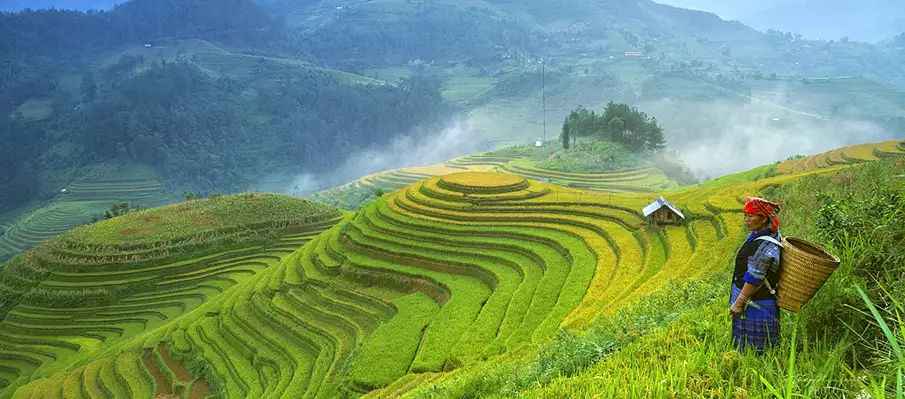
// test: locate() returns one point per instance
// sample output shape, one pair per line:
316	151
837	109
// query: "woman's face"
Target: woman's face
755	222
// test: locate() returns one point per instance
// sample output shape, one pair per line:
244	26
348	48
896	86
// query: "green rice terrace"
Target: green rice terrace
96	291
82	201
265	295
586	169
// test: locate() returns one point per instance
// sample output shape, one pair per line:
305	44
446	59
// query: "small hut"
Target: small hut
662	211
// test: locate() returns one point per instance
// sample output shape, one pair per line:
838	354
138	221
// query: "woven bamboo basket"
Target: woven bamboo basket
804	269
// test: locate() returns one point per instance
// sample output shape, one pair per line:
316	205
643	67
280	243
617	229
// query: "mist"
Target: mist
416	148
725	141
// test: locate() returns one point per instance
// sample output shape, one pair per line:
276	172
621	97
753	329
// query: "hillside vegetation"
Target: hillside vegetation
98	288
91	88
595	165
259	295
85	200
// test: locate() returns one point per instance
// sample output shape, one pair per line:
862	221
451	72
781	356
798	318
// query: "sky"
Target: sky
861	20
16	5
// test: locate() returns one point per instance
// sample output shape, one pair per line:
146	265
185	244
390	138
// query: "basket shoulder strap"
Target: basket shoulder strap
774	241
770	239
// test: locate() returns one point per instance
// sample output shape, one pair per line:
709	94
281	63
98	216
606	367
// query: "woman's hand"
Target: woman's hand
738	307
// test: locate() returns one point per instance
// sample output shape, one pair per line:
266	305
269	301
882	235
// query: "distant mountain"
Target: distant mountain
867	20
862	20
18	5
729	10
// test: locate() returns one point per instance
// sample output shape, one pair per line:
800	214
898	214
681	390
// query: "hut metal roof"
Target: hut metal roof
659	203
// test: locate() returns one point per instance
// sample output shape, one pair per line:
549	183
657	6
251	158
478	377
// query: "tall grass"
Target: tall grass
888	381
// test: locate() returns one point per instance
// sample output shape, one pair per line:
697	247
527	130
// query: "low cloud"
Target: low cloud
416	148
716	140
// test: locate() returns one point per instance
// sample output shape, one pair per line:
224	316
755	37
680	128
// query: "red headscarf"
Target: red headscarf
760	206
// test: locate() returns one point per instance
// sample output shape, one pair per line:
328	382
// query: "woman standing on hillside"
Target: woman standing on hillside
755	316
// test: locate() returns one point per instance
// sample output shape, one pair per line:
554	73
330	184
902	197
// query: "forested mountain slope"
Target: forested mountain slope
204	116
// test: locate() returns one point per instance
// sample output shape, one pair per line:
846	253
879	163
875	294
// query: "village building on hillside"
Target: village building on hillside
661	212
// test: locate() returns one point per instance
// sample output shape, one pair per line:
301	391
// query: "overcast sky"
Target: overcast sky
863	20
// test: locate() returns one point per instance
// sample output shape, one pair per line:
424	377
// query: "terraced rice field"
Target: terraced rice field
445	272
352	195
144	192
85	200
636	180
511	260
80	326
844	156
393	179
41	224
472	162
641	180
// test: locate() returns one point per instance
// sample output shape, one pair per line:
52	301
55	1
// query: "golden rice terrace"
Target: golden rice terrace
263	296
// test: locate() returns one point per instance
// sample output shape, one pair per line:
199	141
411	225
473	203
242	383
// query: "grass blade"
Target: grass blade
790	378
886	331
770	387
899	394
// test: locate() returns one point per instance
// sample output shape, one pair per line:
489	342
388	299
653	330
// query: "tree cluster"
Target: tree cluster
618	123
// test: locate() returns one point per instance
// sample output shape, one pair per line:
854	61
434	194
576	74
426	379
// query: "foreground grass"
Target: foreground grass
672	344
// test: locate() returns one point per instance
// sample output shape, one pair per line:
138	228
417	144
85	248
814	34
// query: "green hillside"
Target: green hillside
89	192
97	290
431	291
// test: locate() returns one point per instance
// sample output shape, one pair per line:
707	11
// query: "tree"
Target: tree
632	128
116	210
616	127
654	140
565	134
583	123
189	195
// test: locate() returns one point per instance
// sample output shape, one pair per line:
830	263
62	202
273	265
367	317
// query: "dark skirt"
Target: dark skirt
758	329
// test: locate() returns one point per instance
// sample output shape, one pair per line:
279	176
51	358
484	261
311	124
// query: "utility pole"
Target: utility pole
543	75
